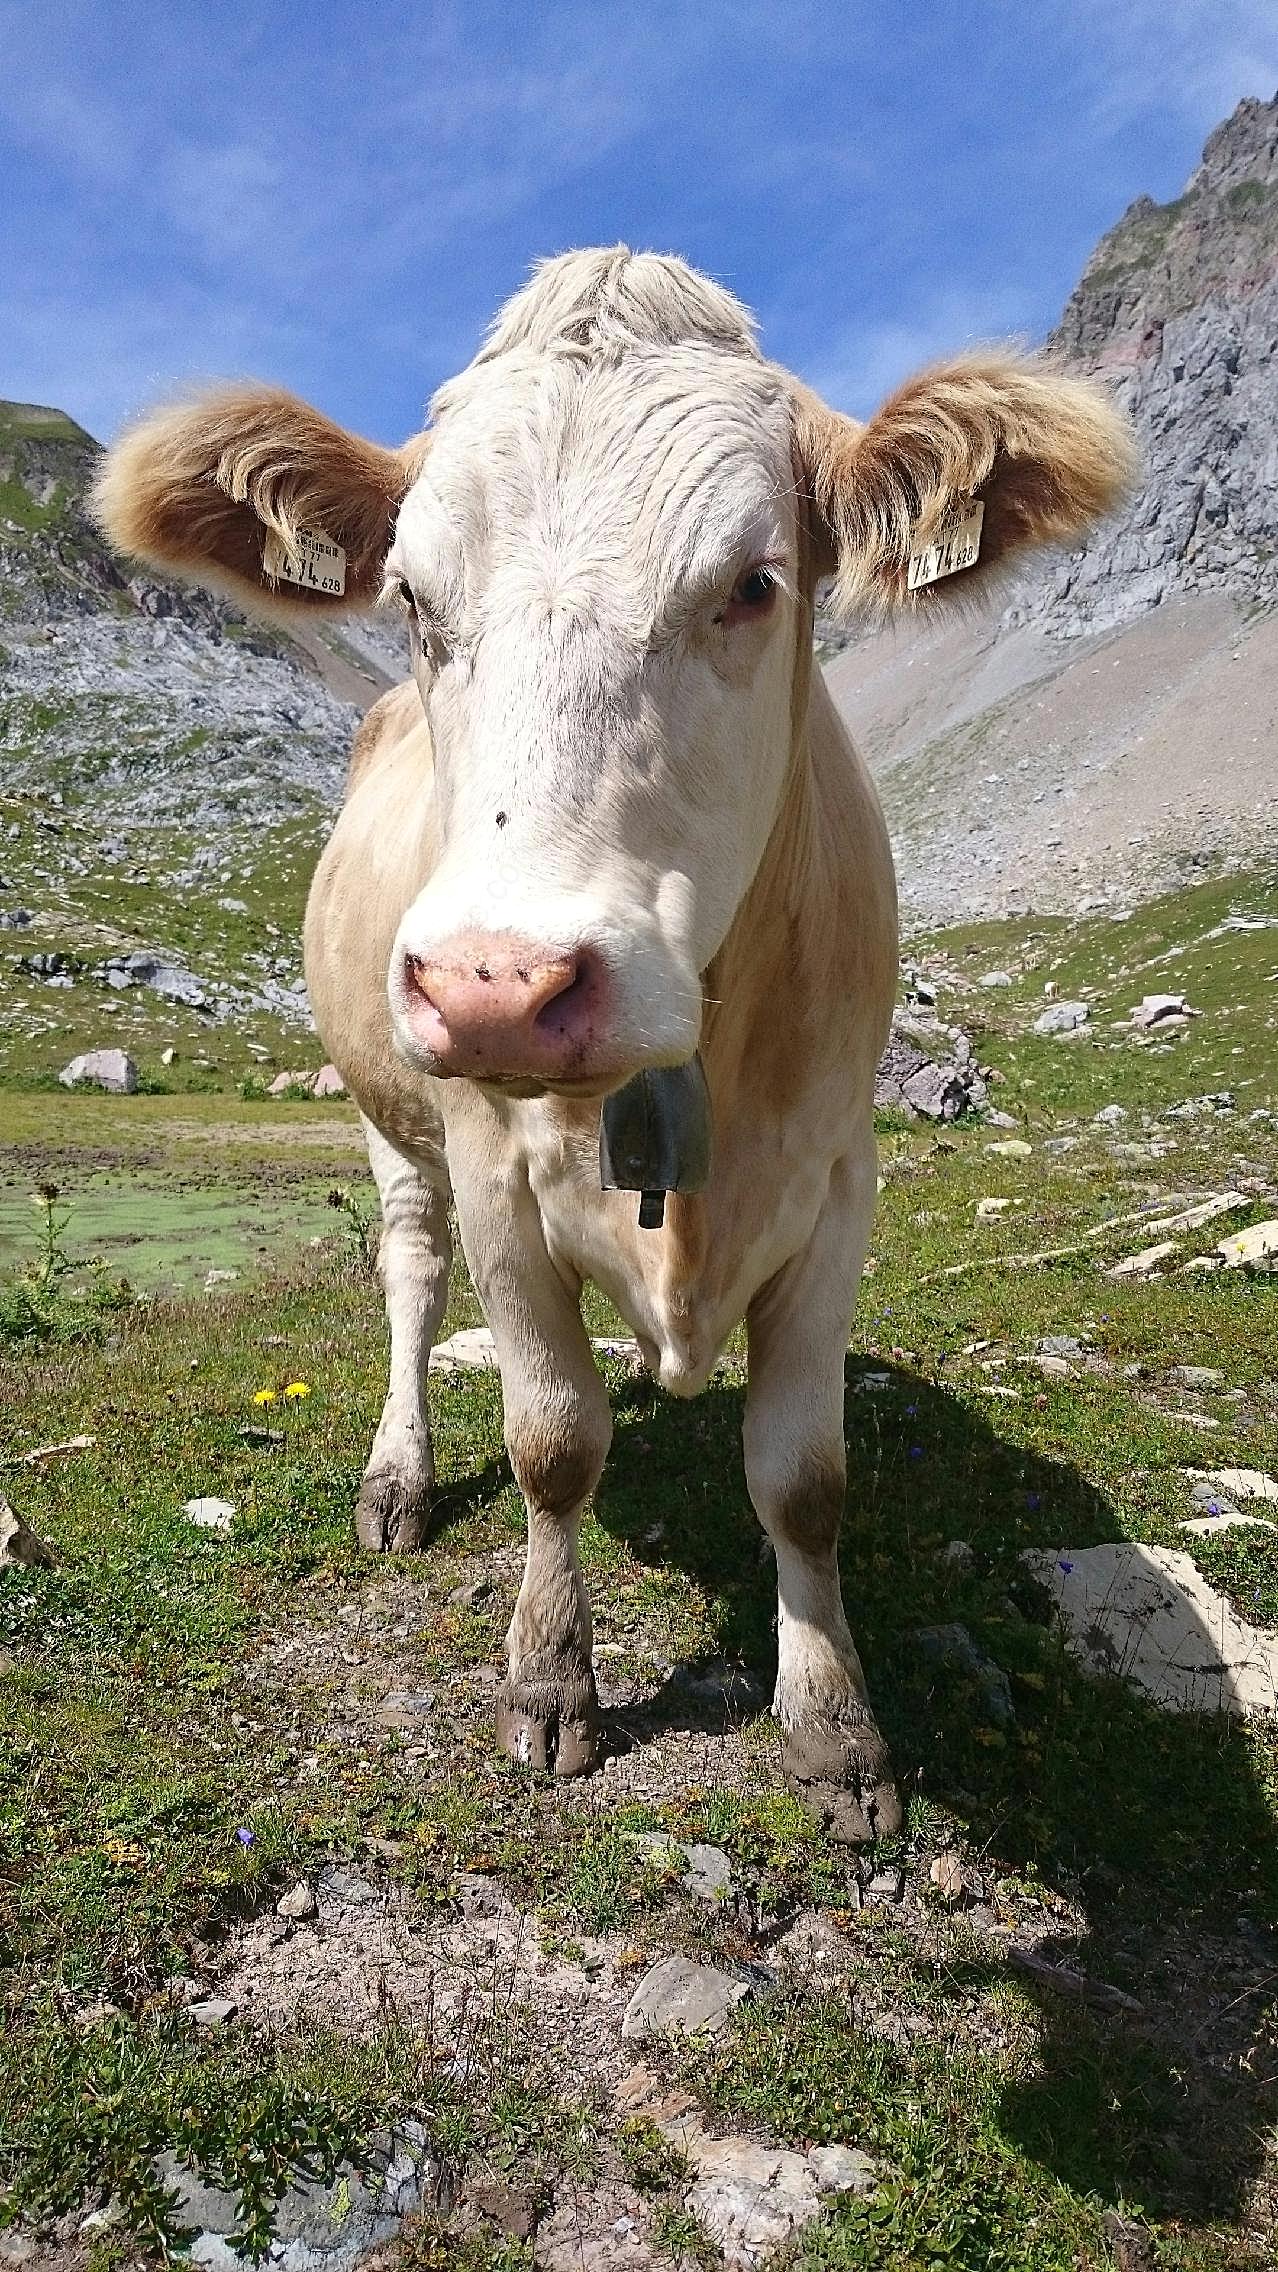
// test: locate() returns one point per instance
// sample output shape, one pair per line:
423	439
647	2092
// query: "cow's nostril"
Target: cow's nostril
569	998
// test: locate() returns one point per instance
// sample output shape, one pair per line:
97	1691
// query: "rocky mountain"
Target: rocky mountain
1117	721
168	770
1178	308
118	679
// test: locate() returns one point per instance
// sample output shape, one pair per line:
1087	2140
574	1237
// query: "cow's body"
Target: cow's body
615	820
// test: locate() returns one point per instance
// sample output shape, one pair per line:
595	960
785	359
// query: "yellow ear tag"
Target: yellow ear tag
960	547
317	564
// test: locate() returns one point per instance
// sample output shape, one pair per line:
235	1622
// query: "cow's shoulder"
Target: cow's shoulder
382	729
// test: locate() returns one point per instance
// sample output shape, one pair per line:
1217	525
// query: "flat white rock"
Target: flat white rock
472	1350
1147	1614
1211	1526
1203	1211
680	1996
1236	1482
209	1514
752	2198
1256	1249
1144	1264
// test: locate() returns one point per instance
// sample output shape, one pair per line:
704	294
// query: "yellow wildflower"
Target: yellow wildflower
297	1388
264	1396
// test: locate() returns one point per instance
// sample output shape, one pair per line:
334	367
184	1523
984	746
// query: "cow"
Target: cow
613	825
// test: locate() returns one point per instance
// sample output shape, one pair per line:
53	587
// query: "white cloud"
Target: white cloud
1195	57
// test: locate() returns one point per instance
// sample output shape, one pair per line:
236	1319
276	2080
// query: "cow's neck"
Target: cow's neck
760	997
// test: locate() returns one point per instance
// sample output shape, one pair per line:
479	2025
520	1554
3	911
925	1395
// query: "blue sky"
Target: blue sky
338	196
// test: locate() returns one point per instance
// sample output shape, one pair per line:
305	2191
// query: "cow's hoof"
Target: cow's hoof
392	1515
843	1771
561	1736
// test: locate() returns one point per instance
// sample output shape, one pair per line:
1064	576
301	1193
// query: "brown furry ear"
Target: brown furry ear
1045	455
201	487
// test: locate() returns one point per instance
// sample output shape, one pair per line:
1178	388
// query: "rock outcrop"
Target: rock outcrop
1178	307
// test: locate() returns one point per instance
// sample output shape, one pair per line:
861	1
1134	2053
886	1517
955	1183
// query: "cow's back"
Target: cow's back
374	864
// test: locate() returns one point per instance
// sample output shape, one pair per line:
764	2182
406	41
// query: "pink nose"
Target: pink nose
500	1008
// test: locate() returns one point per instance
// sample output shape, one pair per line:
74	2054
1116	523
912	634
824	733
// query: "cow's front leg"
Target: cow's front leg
796	1471
558	1429
557	1432
413	1258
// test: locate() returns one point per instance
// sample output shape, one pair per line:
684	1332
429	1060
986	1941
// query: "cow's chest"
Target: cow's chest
682	1289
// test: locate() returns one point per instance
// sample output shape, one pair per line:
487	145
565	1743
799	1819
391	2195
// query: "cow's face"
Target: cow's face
600	570
598	548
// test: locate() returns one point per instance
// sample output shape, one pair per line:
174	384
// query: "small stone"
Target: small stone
1109	1116
946	1874
109	1069
299	1901
1197	1376
472	1593
958	1555
168	1057
886	1885
213	2011
1154	1009
210	1514
328	1082
1011	1148
996	978
708	1874
1055	1368
682	1997
20	1547
1062	1017
1061	1345
470	1350
406	1708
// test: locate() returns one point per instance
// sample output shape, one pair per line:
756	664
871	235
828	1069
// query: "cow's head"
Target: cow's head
606	547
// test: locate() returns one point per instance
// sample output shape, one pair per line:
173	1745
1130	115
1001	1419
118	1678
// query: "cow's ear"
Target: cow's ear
985	455
253	492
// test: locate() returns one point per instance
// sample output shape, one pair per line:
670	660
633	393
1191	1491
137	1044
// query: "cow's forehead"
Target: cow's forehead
662	453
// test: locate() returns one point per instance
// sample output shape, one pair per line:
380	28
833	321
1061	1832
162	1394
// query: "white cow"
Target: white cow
612	822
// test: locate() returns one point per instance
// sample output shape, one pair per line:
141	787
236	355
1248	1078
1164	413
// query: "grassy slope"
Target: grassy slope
135	1745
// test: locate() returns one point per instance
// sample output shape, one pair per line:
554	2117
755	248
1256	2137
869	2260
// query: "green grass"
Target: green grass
143	1728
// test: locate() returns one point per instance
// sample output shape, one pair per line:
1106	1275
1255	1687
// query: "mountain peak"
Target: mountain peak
37	422
1243	148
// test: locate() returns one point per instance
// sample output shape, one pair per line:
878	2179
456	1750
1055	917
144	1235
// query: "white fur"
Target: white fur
577	527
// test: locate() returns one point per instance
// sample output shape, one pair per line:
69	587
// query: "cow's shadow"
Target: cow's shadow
1154	1823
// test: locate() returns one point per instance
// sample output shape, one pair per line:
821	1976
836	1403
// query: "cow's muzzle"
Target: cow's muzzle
496	1008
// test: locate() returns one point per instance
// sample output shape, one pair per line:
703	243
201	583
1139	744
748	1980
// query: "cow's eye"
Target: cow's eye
403	592
752	596
754	589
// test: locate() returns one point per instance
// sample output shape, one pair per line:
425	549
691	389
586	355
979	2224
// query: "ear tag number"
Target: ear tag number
959	547
317	564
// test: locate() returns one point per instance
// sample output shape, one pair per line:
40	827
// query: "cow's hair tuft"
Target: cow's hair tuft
606	300
1046	454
